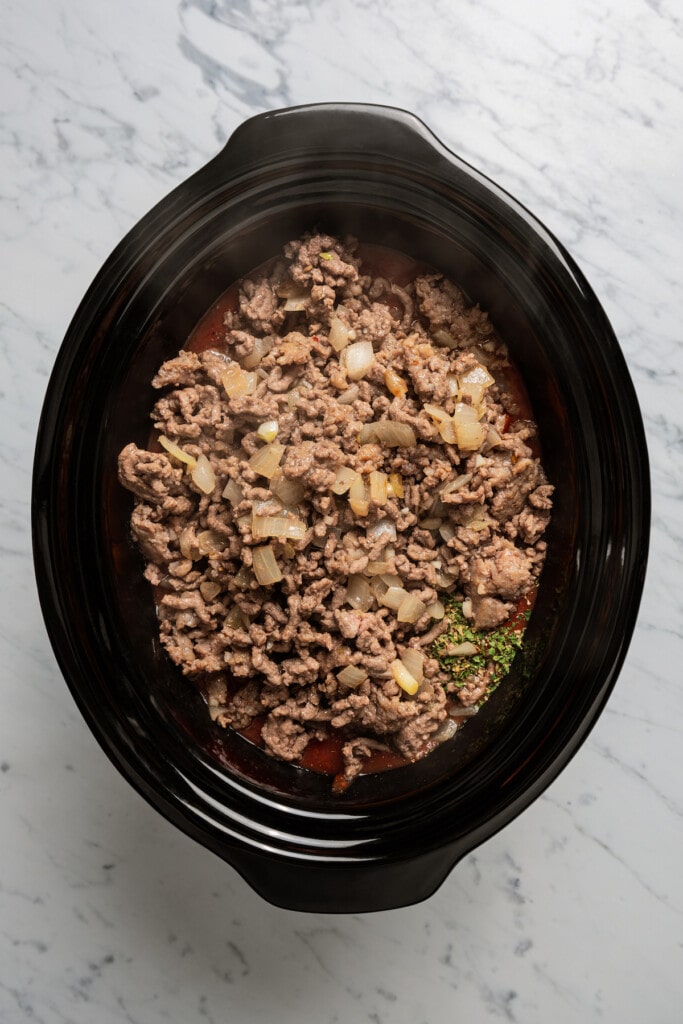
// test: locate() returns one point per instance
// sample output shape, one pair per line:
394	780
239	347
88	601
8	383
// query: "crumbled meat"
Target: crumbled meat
414	736
529	526
260	305
499	568
489	612
314	462
149	475
155	539
355	751
285	737
322	259
179	371
271	655
473	689
242	708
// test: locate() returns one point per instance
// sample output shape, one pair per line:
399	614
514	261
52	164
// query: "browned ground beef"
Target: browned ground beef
469	521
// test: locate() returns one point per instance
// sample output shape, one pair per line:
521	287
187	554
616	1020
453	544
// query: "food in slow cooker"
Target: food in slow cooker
342	509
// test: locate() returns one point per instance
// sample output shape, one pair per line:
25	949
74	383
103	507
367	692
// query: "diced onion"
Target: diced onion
470	436
395	383
339	334
290	492
377	568
352	676
395	485
411	609
359	358
444	580
493	438
358	497
296	295
474	382
464	650
467	608
389	433
288	550
383	530
267	459
403	677
433	523
345	477
443	422
465	413
394	598
414	662
446	731
282	527
209	589
444	339
358	594
188	544
173	449
353	551
235	618
453	385
349	396
266	569
243	578
475	392
476	375
457	712
203	475
447	431
237	383
378	488
268	430
378	587
289	289
436	412
478	519
456	484
392	580
209	541
262	347
436	610
297	304
233	492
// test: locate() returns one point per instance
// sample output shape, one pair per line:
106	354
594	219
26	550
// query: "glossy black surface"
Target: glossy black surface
392	838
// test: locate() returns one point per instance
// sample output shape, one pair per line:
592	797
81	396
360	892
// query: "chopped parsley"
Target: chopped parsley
496	649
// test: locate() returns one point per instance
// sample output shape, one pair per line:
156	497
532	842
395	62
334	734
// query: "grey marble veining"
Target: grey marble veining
573	912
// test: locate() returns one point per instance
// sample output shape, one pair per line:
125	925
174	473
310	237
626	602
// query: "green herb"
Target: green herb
326	256
496	649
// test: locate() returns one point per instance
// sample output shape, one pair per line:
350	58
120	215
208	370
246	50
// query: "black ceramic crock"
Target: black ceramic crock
393	837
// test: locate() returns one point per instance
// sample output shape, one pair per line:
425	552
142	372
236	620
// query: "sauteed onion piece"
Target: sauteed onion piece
266	569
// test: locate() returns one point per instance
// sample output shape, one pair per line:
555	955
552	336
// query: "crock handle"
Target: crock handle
320	887
334	129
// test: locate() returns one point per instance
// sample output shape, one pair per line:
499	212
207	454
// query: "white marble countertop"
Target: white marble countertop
575	911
